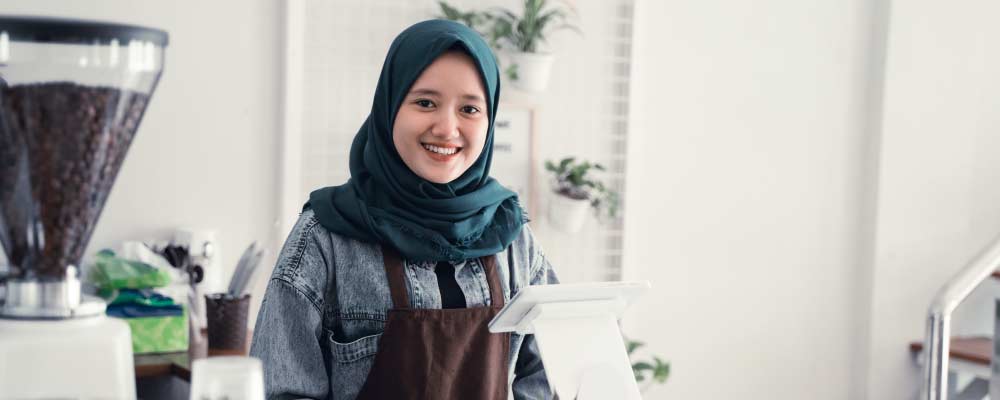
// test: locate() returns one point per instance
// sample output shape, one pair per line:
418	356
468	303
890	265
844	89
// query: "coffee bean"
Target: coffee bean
61	146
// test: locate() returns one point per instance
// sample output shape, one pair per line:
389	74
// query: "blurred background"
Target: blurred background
797	179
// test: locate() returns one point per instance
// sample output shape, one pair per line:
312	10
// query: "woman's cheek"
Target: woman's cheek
405	122
481	140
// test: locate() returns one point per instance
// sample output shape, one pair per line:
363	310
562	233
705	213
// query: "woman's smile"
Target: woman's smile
441	152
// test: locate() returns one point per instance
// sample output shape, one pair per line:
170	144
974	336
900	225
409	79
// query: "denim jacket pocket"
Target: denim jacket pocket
356	350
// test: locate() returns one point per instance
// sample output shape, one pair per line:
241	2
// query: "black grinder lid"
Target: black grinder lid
75	31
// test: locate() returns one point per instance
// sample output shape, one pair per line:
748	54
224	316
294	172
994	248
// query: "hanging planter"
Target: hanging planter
519	37
568	214
574	191
529	71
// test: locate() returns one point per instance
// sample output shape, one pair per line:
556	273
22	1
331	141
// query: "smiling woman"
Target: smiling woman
347	313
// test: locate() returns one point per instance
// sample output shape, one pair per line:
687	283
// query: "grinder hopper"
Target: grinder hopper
72	94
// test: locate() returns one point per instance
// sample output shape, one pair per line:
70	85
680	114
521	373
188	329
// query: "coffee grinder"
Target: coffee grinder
72	94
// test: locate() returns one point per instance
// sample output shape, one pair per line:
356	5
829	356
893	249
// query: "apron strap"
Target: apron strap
397	277
493	278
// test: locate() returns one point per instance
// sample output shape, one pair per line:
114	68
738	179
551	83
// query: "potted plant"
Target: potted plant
520	38
647	372
575	191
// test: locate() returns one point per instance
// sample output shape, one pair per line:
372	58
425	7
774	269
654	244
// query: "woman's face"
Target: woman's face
440	129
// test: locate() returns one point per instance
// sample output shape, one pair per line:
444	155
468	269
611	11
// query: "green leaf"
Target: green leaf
550	166
512	72
511	17
642	366
661	372
633	345
565	162
449	12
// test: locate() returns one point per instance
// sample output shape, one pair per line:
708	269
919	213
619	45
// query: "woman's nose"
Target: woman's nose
446	125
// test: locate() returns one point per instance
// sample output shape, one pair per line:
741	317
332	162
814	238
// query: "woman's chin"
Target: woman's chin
440	181
439	177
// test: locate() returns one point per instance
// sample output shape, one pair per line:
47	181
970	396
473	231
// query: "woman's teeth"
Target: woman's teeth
441	150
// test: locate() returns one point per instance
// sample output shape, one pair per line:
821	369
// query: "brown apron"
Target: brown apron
438	354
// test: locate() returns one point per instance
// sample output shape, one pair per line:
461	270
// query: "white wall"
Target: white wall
939	198
206	153
747	194
794	233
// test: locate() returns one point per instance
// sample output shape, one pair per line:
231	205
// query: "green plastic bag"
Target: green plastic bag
159	334
112	273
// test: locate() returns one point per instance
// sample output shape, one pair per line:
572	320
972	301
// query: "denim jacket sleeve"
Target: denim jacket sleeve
289	329
530	382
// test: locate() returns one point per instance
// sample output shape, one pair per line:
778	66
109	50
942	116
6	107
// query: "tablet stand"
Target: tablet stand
582	349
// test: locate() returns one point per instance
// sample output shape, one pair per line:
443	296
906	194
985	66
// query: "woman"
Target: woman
385	286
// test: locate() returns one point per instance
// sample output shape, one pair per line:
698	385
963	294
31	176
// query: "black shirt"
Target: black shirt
451	293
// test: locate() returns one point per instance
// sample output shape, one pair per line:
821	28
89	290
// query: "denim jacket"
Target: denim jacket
326	302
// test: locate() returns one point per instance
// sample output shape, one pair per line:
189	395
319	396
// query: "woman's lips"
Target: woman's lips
441	152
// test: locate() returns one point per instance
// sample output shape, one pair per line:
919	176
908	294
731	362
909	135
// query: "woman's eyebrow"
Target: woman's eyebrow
432	92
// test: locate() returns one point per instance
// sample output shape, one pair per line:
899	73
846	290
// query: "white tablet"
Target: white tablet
526	299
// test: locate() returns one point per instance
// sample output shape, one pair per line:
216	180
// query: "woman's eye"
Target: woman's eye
470	109
424	103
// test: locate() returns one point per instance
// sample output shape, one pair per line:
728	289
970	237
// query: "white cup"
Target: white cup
229	378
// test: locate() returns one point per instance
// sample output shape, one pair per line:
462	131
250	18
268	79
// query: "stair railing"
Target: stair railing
937	341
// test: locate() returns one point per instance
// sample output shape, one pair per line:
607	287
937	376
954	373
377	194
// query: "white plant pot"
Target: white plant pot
566	214
532	70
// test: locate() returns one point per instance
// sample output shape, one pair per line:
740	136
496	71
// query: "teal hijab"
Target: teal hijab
385	202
